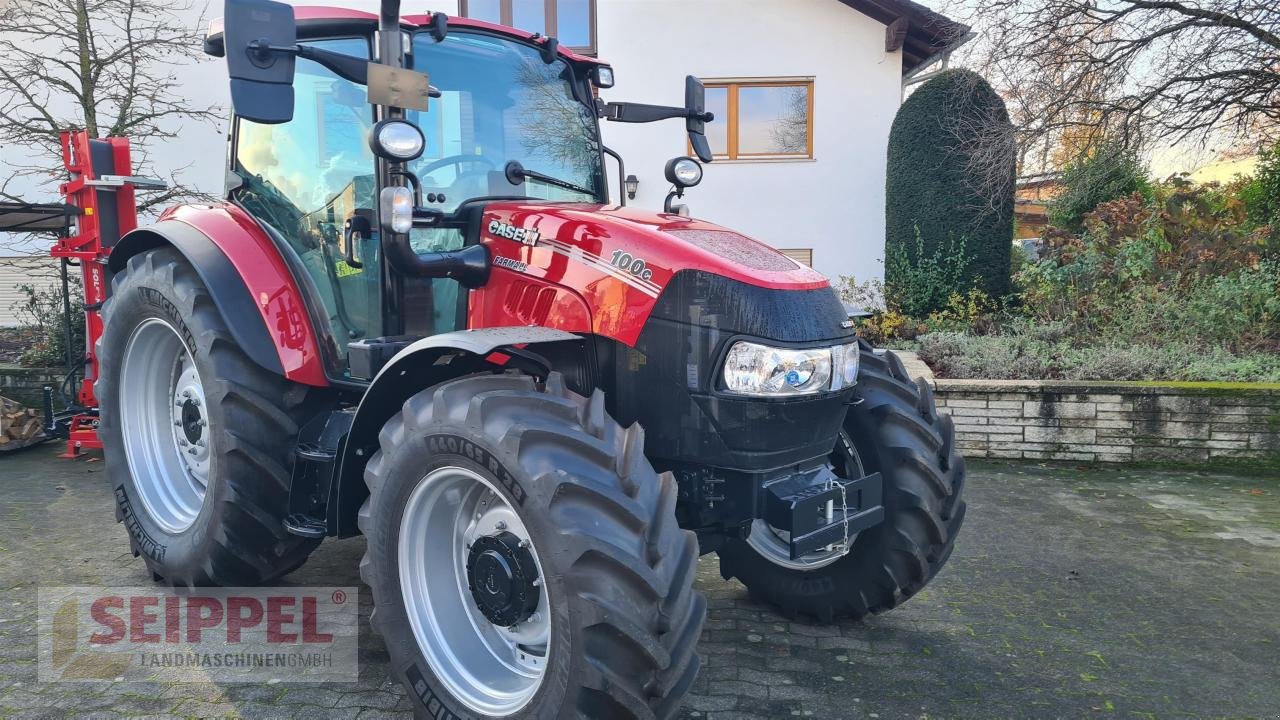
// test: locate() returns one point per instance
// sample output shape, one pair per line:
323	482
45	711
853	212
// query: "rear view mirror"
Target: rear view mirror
695	103
259	41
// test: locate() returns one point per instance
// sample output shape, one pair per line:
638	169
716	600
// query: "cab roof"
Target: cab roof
311	16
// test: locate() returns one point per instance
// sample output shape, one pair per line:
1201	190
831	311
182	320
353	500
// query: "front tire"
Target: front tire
609	628
198	439
897	432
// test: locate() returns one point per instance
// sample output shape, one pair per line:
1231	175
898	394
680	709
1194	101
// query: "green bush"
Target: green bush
1032	351
1109	173
950	183
1261	197
41	313
924	276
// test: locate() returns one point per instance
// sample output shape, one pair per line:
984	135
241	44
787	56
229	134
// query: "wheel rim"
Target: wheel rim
493	670
775	545
163	421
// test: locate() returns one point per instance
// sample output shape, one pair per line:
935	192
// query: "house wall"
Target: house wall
18	271
833	204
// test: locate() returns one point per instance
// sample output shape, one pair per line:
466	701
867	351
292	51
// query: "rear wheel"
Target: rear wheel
525	559
198	439
897	432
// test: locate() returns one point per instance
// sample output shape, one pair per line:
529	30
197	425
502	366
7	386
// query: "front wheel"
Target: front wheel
198	439
897	432
524	557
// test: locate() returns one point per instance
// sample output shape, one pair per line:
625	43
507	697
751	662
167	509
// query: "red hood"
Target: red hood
604	266
667	242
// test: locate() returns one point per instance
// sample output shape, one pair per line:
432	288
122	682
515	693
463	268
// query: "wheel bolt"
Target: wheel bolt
502	525
192	451
524	543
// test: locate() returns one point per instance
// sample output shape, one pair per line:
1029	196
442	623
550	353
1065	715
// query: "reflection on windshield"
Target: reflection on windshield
500	102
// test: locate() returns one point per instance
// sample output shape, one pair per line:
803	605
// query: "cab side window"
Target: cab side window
306	176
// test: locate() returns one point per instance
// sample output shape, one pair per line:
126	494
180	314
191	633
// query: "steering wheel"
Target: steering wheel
452	160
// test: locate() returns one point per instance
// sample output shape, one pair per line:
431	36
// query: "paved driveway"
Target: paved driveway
1074	593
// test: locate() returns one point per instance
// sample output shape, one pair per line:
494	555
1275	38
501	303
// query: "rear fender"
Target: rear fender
427	362
260	301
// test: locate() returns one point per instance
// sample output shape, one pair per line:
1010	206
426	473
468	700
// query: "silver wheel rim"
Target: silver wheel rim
163	420
492	670
775	545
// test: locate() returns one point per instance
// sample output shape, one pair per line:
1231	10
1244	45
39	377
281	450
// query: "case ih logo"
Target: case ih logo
218	634
524	236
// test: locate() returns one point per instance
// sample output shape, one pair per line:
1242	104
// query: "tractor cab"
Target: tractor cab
376	174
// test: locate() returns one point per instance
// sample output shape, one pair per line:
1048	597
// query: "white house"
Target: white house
804	93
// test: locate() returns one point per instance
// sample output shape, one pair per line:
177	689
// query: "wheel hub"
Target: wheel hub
192	424
503	579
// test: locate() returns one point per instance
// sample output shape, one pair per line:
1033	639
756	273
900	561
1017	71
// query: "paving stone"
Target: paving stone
1060	575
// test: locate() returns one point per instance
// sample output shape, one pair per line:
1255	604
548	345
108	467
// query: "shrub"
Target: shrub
925	277
41	313
1261	197
1108	173
950	181
1035	352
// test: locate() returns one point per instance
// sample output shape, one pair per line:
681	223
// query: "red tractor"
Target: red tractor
418	317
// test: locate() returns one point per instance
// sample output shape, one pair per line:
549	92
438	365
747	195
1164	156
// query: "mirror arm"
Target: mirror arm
641	113
347	67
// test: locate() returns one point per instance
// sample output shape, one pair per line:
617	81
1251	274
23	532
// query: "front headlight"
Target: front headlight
763	371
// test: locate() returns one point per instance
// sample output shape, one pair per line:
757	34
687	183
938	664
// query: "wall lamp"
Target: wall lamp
633	186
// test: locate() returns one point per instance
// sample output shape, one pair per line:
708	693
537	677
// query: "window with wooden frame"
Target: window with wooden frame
572	22
761	119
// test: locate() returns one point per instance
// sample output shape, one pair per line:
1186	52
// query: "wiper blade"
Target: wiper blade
517	174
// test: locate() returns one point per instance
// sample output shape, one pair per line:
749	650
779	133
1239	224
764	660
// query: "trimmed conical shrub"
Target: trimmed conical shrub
950	192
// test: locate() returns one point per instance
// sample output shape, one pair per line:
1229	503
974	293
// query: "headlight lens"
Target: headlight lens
684	172
398	140
759	370
763	371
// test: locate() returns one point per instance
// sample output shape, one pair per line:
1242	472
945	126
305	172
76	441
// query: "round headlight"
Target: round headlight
397	140
684	172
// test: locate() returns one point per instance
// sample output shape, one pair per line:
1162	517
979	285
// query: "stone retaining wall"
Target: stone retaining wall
1203	424
26	385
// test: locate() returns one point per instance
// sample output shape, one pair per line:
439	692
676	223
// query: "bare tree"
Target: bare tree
106	66
1074	71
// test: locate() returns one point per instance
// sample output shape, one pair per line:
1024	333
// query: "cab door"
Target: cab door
304	178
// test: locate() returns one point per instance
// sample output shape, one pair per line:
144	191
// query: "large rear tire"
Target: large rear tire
588	610
897	432
198	439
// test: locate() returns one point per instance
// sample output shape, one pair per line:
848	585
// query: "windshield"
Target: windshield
500	102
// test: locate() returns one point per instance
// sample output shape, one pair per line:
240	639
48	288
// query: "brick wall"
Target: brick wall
1114	422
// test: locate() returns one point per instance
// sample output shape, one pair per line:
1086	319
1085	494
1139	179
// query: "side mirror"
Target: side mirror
259	42
695	103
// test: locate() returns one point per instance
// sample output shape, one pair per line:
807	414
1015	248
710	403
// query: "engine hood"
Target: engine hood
617	261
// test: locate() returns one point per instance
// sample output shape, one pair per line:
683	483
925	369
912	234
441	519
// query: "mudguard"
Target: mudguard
249	281
427	362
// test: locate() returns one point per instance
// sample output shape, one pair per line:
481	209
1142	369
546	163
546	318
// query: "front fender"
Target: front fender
425	363
248	279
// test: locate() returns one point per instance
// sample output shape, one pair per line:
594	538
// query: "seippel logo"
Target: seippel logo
232	634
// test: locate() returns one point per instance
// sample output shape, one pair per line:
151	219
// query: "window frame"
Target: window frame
551	7
733	86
